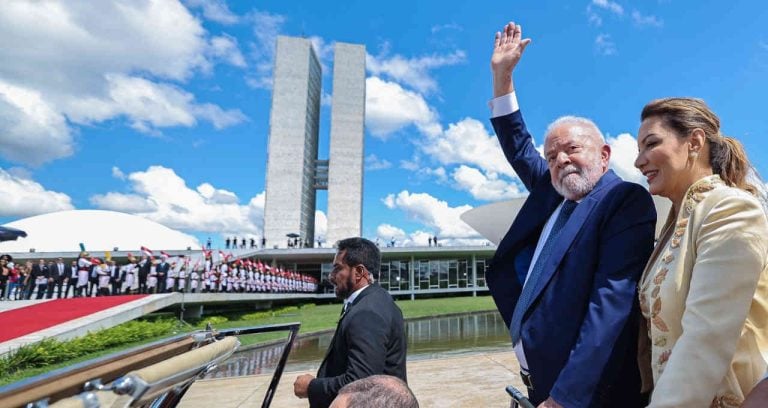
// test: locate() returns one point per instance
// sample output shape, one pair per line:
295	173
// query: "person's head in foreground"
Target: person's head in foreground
376	391
576	154
356	260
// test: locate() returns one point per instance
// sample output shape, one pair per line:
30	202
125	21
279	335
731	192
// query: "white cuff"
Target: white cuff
503	105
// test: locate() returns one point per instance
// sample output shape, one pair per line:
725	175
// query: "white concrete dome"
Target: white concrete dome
98	230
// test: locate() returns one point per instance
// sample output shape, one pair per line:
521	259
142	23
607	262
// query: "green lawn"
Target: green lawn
313	319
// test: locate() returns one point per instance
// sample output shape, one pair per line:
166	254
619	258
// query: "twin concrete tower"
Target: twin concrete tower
294	171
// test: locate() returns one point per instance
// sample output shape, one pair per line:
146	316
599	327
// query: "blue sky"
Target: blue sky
161	108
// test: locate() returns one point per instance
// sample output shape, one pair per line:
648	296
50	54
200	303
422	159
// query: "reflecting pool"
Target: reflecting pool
427	338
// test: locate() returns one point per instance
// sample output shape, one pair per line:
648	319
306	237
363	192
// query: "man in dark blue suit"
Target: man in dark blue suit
564	276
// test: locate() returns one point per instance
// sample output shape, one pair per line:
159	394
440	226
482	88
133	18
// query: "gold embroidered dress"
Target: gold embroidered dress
704	299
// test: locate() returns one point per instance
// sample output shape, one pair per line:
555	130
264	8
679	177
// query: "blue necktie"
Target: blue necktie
526	297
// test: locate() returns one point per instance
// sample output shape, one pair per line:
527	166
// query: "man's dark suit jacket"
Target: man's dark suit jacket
162	268
65	272
37	270
580	333
369	339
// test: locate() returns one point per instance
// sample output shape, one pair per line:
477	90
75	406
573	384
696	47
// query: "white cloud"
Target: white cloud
24	197
148	105
216	196
214	10
432	213
611	6
117	173
468	142
438	173
414	72
623	155
484	186
594	18
321	225
389	108
326	99
65	62
604	45
444	27
266	27
159	194
412	165
129	203
31	130
225	48
373	163
387	231
643	20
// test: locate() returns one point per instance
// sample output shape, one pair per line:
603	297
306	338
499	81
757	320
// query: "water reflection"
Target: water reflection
427	338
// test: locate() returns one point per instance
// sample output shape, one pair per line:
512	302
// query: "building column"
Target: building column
474	275
411	278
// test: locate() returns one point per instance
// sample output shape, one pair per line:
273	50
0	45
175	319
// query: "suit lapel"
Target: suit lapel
569	233
529	221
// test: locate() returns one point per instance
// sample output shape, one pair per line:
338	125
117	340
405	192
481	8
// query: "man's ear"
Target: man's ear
605	154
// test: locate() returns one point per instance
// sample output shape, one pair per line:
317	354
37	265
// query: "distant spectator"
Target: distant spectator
226	243
40	275
5	276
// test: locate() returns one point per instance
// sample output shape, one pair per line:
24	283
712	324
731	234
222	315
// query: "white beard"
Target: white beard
577	183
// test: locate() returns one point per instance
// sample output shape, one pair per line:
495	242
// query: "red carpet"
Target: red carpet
25	320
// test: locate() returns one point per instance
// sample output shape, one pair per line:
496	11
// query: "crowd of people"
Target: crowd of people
87	276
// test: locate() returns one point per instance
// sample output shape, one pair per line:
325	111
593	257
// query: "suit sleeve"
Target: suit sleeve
366	338
625	242
517	145
731	255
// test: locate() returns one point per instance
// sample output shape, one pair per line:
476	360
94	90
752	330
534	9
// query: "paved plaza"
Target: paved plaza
476	380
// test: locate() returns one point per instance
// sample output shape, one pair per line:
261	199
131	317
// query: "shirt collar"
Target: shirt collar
353	296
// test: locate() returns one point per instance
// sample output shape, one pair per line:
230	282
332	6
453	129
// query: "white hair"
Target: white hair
574	121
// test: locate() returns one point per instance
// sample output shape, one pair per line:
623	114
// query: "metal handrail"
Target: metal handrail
518	399
90	375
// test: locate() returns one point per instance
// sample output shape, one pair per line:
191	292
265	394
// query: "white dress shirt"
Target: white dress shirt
348	301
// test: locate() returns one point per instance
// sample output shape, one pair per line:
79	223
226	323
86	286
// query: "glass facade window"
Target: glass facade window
480	266
429	274
394	276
